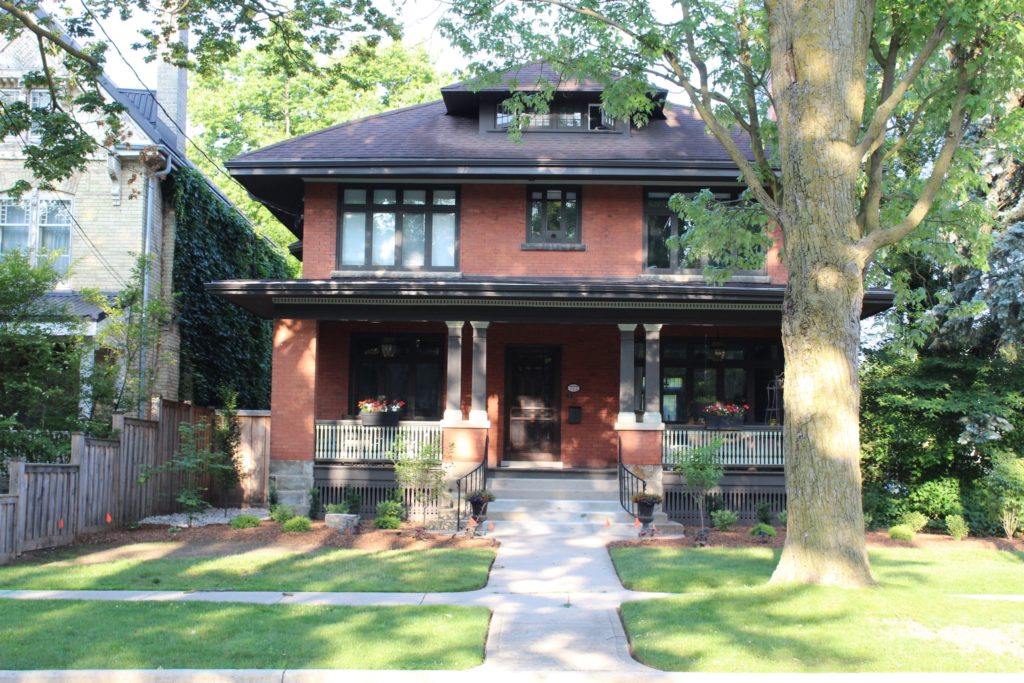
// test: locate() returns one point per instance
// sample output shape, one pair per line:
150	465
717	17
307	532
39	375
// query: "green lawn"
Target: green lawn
327	570
121	635
730	621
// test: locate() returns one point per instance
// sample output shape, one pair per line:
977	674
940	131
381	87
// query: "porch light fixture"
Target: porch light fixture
718	351
389	348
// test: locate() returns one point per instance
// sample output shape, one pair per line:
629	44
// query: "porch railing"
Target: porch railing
747	447
350	440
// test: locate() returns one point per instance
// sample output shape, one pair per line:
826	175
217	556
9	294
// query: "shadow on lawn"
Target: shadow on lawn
118	635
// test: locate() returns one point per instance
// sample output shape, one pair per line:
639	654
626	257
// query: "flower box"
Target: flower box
379	419
723	421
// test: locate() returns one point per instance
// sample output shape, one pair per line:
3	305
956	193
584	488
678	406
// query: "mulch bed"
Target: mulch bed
739	537
220	539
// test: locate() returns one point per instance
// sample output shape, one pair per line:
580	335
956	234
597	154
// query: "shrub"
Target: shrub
762	529
390	508
297	525
915	520
387	523
281	513
937	498
314	503
353	502
783	516
957	527
901	532
723	520
868	520
245	522
336	509
764	512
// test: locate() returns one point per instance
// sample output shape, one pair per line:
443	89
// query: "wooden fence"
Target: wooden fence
49	504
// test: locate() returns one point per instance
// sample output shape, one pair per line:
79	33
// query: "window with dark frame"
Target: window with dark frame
399	367
661	223
398	228
553	215
573	118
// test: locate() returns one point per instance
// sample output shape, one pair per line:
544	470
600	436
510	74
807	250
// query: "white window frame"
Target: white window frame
35	202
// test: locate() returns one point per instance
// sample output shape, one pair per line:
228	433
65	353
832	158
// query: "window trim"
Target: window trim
531	244
691	273
428	209
34	213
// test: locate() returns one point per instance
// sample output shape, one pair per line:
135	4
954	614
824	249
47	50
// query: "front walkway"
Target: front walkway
554	599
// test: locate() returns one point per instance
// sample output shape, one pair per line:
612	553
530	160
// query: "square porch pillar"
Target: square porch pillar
478	407
652	375
453	394
627	397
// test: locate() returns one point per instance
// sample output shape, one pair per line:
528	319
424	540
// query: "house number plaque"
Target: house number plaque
573	388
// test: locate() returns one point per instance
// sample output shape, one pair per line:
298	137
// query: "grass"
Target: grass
329	570
57	634
731	621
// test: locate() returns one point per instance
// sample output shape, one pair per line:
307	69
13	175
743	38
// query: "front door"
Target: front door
532	378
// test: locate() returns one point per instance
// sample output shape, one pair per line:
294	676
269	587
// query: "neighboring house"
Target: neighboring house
518	297
119	207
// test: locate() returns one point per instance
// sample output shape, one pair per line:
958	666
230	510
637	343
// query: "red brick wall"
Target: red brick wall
319	230
590	358
293	387
493	229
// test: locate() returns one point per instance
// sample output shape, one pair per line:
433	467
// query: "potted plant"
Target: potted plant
379	412
724	415
478	501
645	503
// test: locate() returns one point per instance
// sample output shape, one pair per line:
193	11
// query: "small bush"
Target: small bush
764	513
915	520
245	522
782	516
937	498
314	503
902	532
957	527
387	523
353	502
281	513
723	520
297	525
390	508
762	529
336	509
868	520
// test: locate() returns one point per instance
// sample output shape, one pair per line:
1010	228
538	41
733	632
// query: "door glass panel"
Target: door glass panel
353	239
414	239
442	247
383	239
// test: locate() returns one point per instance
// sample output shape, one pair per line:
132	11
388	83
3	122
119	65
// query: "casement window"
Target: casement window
41	225
553	215
400	367
566	118
398	228
36	98
661	223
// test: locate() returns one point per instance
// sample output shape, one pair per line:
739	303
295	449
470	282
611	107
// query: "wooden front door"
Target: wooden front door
532	378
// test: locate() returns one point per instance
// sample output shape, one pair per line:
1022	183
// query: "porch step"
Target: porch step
561	488
521	510
615	531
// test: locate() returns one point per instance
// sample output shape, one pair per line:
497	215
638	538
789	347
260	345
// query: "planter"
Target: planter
723	421
341	522
389	419
645	513
479	509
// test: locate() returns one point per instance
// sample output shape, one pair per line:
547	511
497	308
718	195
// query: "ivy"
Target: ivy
223	347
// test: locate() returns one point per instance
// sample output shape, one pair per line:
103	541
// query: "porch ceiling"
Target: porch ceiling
515	300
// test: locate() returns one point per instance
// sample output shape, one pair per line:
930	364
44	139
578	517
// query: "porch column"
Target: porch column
453	396
478	408
627	397
652	375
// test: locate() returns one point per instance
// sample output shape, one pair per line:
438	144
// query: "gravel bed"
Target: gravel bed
205	518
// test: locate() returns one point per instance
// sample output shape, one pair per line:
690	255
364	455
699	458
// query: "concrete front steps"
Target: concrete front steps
544	501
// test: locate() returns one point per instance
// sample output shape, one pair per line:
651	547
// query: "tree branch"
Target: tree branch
50	85
958	120
29	22
875	132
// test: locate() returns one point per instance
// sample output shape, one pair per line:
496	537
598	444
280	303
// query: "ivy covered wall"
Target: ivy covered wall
222	345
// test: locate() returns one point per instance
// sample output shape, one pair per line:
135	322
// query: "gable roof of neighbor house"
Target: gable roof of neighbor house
443	139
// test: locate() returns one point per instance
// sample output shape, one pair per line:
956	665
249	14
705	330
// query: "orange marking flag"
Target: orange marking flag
109	518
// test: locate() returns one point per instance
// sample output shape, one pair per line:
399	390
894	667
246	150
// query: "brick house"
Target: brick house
519	297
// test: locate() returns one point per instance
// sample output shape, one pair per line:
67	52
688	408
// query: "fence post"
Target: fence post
117	422
19	487
77	448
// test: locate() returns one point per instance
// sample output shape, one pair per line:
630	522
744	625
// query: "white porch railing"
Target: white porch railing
740	447
350	440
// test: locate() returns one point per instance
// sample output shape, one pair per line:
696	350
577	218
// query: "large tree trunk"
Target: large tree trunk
819	52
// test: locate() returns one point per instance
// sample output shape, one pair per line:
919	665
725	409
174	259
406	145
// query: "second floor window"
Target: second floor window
400	228
43	225
553	216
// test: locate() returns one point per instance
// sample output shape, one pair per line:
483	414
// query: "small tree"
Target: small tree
1004	486
423	472
227	437
701	471
197	463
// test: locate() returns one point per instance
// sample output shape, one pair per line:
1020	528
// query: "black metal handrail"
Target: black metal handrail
475	480
629	485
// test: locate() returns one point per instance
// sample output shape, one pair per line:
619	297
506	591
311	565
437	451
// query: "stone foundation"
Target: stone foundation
293	479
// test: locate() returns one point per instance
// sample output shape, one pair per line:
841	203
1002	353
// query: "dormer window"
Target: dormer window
563	118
